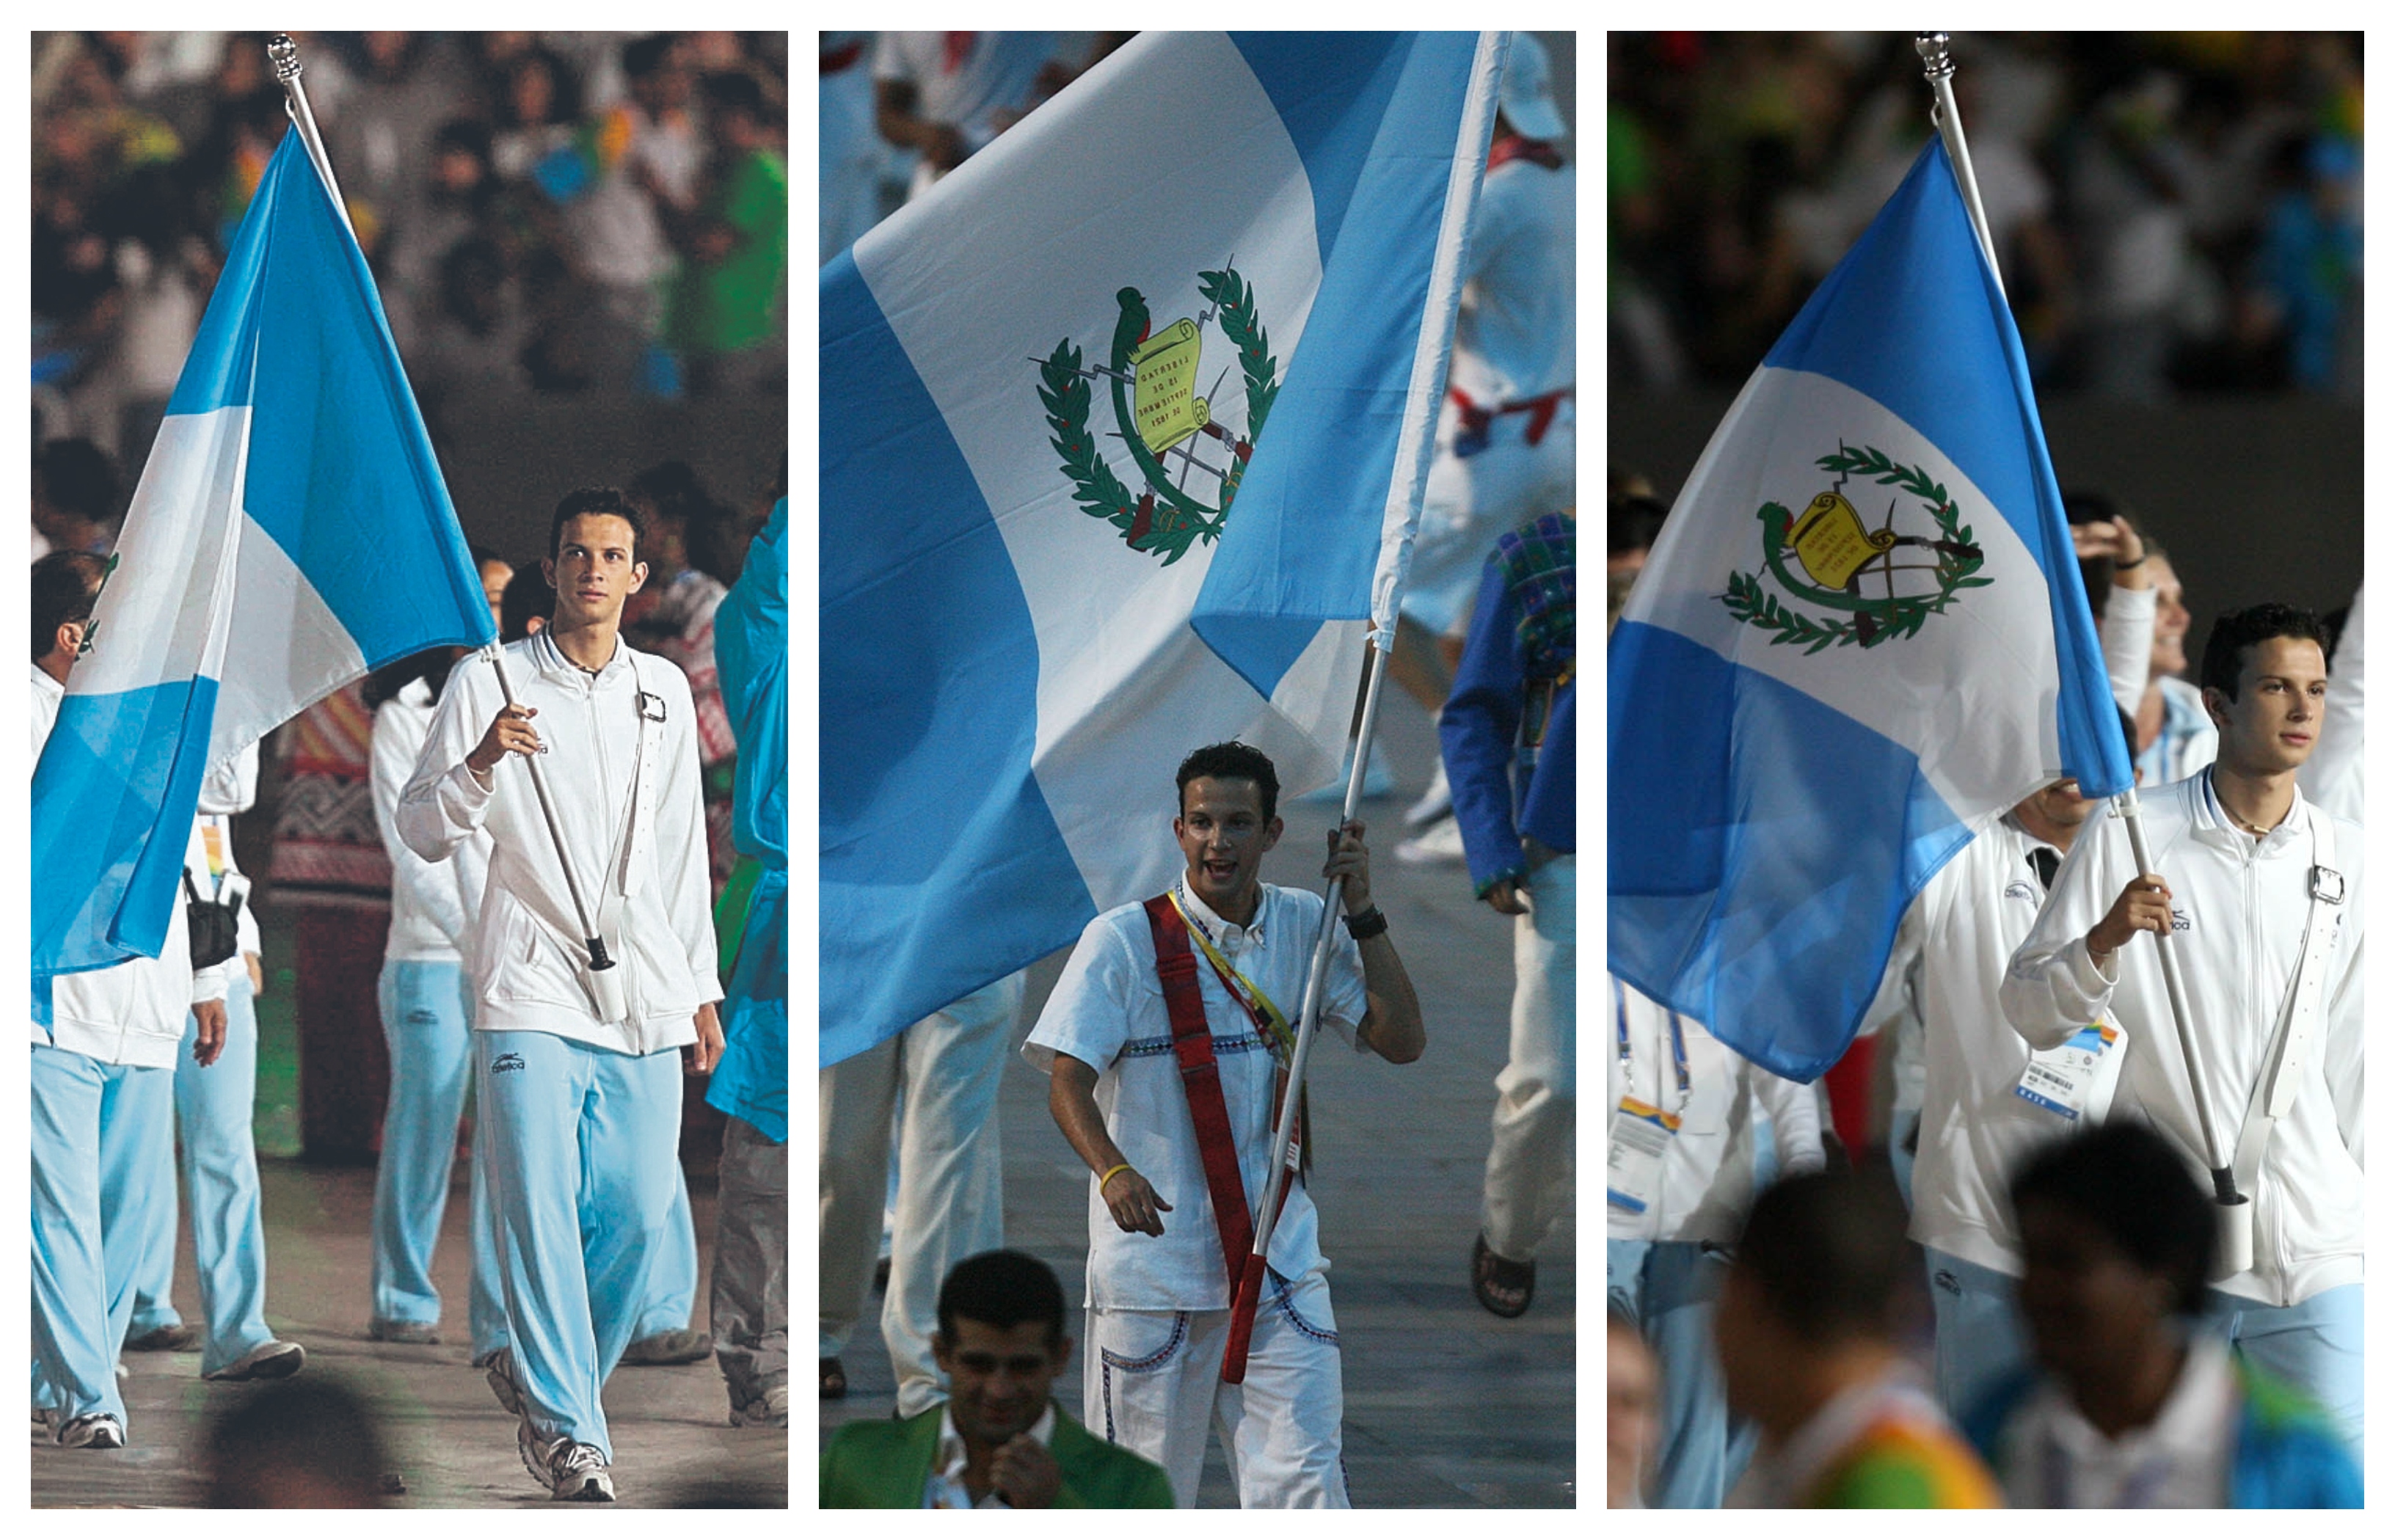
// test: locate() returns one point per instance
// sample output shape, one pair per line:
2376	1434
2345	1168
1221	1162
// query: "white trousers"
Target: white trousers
1151	1381
1529	1185
1468	503
950	1203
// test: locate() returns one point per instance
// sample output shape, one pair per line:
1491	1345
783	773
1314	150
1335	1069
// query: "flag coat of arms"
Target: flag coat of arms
290	530
1859	638
1116	462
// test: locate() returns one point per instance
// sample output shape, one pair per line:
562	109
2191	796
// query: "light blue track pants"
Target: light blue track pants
1981	1339
427	1026
578	1148
213	1108
2314	1346
92	1132
1669	1288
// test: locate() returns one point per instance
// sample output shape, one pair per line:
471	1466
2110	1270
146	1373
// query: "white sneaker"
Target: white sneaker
573	1472
1437	803
98	1430
772	1409
1440	845
269	1360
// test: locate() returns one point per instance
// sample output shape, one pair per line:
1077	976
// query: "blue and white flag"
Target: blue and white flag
290	531
1216	270
1860	637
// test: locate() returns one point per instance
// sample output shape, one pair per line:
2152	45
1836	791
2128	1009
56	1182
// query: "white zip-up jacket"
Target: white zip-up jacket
1708	1181
2240	907
132	1013
434	905
646	875
1950	954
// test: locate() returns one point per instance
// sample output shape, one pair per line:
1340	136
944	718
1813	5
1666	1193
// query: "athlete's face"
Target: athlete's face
2170	620
2274	721
1224	837
495	575
2089	1307
998	1378
593	571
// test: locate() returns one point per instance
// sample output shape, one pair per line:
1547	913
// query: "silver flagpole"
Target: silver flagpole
607	984
2236	1230
1413	456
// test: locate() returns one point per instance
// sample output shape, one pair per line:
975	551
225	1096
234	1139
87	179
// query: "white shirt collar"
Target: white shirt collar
45	685
945	1487
2296	823
1229	938
2184	1443
551	659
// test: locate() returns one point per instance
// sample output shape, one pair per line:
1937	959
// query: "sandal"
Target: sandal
1502	1287
834	1379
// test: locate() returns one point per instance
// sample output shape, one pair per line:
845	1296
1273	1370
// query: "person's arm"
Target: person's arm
1072	1101
2062	976
391	756
1795	1117
2126	628
1477	729
1392	1026
681	831
2343	1059
896	118
448	794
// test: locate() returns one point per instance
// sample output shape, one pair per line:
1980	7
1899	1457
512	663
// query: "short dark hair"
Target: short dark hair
1003	1290
2123	1178
1231	761
736	91
643	57
77	476
2232	634
610	500
526	598
1827	1249
65	584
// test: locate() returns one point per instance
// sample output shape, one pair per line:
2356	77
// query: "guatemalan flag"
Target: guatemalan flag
290	531
1860	637
1124	425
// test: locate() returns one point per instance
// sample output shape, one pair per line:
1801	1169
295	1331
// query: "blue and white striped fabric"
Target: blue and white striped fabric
290	531
1860	637
1023	505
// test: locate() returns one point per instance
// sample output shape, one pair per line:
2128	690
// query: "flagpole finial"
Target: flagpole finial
1936	62
286	55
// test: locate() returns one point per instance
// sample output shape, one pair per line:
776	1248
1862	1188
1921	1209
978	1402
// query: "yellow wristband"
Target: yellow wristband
1111	1174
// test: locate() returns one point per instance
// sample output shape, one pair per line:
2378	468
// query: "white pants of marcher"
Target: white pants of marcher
1151	1381
1529	1185
950	1203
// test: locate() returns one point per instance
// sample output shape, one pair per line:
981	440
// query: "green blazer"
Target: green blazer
884	1463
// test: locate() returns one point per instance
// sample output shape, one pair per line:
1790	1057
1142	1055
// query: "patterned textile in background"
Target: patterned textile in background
327	852
715	789
1537	559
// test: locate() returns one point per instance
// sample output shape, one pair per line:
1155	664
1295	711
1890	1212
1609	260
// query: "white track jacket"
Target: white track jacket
643	868
2239	908
1951	951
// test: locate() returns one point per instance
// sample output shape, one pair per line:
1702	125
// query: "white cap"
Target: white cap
1525	96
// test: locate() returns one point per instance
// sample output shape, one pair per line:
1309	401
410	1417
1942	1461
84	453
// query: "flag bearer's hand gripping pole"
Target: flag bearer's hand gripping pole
2235	1223
605	982
1285	1135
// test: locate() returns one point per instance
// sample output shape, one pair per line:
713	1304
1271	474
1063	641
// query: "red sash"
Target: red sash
1193	1045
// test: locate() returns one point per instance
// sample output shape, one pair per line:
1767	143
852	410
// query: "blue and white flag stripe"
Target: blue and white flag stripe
1773	806
290	530
1009	685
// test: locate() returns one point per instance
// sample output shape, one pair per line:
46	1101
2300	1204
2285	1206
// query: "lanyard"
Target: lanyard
1270	1023
1622	1045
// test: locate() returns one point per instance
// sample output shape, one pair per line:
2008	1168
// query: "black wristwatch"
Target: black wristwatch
1368	924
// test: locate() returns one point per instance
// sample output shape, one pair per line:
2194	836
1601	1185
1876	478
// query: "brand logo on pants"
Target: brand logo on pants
506	1061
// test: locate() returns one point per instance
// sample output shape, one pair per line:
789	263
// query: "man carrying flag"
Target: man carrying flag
577	1084
1166	1076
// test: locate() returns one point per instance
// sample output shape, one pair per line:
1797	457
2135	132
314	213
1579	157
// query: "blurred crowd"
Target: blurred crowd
578	214
2172	211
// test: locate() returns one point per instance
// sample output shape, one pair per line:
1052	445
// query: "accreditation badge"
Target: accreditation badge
2060	1079
1634	1156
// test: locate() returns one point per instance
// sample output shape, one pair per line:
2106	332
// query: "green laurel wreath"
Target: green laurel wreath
1955	570
1148	524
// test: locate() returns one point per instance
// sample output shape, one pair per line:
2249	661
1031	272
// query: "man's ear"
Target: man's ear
1062	1354
2216	705
1272	833
548	571
639	577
